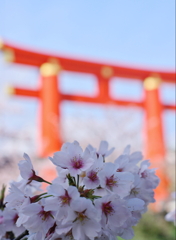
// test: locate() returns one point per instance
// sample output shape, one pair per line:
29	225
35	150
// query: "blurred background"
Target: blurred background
139	34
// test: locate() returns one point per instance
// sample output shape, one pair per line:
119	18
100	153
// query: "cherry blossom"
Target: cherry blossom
103	149
85	219
113	211
118	182
90	199
91	180
40	220
127	162
73	159
171	215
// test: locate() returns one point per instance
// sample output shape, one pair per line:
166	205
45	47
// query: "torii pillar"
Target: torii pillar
155	146
49	96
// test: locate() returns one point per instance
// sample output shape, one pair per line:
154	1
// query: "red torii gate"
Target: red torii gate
50	97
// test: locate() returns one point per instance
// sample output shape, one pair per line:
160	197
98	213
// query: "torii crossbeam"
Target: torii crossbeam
50	98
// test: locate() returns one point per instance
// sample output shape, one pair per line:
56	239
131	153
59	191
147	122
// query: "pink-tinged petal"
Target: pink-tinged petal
125	176
91	149
103	147
71	216
56	189
25	167
122	190
86	154
75	149
136	157
120	216
60	159
74	172
91	182
33	223
39	235
171	216
51	204
87	164
32	209
135	204
128	233
22	219
122	161
47	224
91	228
73	192
62	229
32	236
80	204
65	147
127	150
78	232
109	168
109	152
27	158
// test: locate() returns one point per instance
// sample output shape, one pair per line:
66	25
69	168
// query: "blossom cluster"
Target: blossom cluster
90	199
171	215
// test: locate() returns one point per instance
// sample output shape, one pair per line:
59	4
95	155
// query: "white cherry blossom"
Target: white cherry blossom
90	199
91	180
74	159
40	220
103	149
26	167
118	182
85	219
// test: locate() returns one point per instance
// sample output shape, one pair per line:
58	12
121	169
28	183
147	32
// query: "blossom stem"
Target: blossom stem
2	194
77	181
22	235
47	182
48	196
74	180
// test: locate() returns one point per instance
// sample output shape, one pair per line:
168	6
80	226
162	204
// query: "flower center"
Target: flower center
110	182
77	163
107	208
144	174
65	198
93	176
81	215
44	215
134	191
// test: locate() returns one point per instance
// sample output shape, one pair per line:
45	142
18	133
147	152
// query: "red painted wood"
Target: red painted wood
50	116
50	98
35	58
78	98
155	146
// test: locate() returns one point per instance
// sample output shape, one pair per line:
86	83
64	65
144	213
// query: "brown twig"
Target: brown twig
22	235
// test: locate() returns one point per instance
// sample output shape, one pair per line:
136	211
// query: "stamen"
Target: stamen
110	182
93	176
134	191
144	174
107	208
77	163
65	198
81	216
44	215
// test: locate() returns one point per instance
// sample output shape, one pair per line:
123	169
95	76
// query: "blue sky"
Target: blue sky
134	32
129	32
